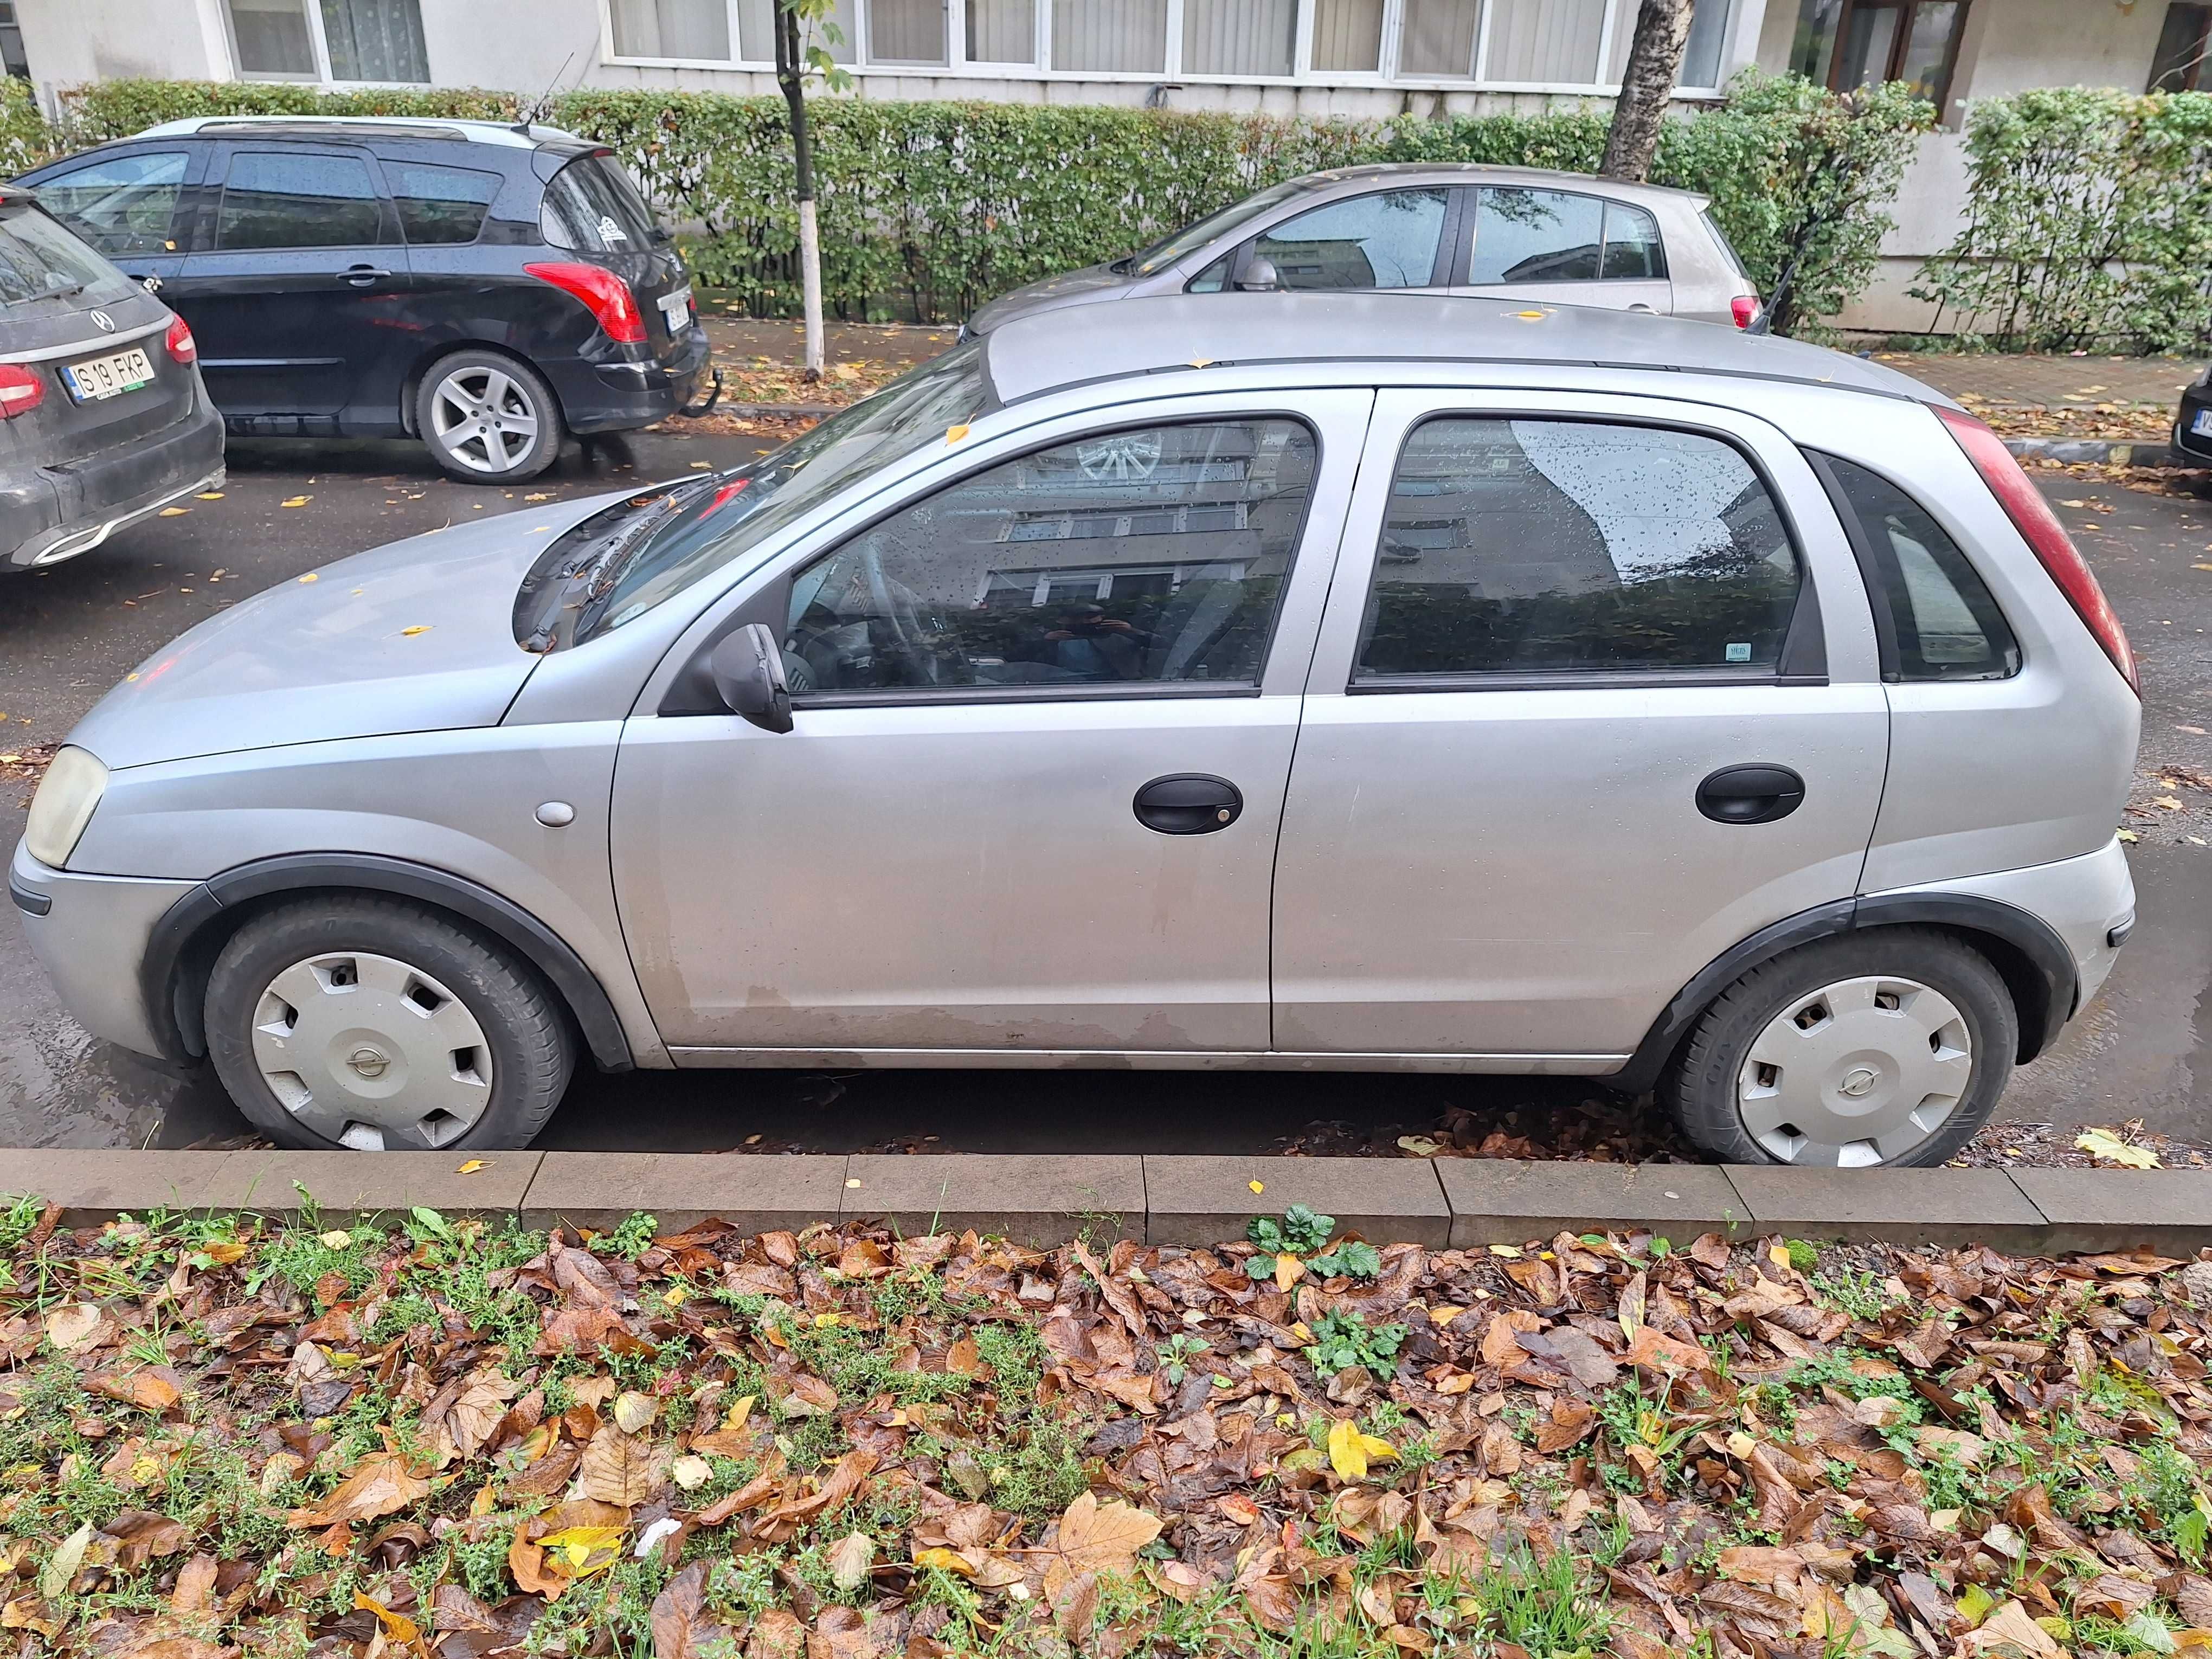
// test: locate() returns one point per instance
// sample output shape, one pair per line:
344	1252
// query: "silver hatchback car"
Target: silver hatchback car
1204	684
1435	228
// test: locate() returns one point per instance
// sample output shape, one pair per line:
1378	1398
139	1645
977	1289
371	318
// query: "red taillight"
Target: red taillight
182	346
605	295
2032	516
21	390
1745	308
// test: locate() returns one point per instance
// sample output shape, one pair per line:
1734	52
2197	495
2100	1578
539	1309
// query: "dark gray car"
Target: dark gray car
103	419
1451	227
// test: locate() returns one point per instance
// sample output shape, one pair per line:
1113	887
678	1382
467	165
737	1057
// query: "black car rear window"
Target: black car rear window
591	205
41	259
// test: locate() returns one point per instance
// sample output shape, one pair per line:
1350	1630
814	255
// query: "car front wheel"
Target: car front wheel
364	1022
1887	1046
488	418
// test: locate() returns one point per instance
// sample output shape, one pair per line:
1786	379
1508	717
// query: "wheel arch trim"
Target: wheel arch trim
181	947
2034	963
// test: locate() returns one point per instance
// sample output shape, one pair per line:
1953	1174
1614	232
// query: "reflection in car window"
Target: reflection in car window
121	206
439	205
298	199
1948	624
752	502
1166	252
590	205
1632	247
1535	546
40	258
1147	556
1537	236
1388	239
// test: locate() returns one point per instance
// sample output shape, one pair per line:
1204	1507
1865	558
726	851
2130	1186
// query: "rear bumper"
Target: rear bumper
2186	438
56	512
599	396
90	932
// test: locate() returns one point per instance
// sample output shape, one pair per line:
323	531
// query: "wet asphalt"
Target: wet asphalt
2142	1050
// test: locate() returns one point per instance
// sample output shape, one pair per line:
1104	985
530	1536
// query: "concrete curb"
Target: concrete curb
1042	1201
2101	451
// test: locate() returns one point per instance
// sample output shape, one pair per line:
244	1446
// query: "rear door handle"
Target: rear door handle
1756	793
1188	804
362	276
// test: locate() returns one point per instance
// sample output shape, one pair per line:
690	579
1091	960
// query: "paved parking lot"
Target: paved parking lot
2144	1050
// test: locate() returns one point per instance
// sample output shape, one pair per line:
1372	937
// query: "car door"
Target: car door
1387	239
134	204
1579	652
298	289
1562	247
1043	717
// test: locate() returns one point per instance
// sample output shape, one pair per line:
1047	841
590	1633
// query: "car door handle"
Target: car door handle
1758	794
1188	804
362	276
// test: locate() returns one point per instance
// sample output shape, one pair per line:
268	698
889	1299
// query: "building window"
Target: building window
11	42
1110	37
1347	36
906	32
1238	37
2182	46
1002	32
673	28
1849	44
379	41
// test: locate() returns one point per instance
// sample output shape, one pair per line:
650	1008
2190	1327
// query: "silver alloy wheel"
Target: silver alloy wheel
1855	1073
483	418
368	1052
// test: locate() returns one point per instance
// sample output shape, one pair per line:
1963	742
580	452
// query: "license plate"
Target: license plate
2202	429
676	307
108	377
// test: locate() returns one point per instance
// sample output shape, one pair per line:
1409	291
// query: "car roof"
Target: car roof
1466	172
506	134
1074	345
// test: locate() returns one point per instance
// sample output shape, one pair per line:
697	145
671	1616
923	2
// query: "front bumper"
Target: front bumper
58	511
600	396
91	933
2194	402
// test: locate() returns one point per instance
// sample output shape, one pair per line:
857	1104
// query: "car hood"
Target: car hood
1075	287
415	636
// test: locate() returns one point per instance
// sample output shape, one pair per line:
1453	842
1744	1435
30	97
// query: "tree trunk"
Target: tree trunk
1654	59
791	76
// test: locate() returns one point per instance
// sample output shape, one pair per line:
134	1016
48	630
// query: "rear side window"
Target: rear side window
1548	546
440	205
1945	621
1537	236
591	205
1632	247
122	204
298	199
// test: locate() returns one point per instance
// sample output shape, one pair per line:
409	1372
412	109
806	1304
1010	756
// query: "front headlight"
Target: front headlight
71	788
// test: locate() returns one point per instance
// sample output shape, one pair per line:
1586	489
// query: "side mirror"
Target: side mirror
1259	276
748	672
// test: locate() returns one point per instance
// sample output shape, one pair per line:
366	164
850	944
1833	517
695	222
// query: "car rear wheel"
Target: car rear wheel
488	418
367	1023
1888	1047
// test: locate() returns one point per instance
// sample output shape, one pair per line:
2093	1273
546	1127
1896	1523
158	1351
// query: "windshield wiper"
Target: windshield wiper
580	589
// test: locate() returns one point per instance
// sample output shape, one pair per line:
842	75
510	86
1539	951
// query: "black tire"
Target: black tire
1701	1086
531	1045
463	454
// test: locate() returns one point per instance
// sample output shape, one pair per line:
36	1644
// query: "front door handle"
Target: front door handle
1188	804
1758	794
362	276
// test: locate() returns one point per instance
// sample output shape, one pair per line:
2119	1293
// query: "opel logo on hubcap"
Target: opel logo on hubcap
368	1062
1859	1080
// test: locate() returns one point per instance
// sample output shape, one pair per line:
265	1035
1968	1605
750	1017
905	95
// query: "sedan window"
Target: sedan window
1147	556
1388	239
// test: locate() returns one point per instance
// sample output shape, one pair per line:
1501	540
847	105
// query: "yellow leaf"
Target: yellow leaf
1302	1331
208	495
1202	363
296	501
397	1627
1505	1250
953	434
1257	1186
1530	316
739	1411
411	632
174	512
583	1550
310	577
1288	1271
945	1561
472	1166
2108	1148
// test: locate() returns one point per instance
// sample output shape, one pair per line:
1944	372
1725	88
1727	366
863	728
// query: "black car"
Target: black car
103	418
2192	423
483	288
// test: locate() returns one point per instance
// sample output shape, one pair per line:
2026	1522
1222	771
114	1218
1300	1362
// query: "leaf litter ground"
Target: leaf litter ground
447	1438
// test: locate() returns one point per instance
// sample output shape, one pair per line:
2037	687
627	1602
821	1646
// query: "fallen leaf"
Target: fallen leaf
382	1485
2108	1148
680	1625
296	501
1349	1451
619	1468
850	1559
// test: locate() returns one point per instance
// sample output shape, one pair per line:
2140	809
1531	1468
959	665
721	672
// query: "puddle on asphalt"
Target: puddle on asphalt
113	1098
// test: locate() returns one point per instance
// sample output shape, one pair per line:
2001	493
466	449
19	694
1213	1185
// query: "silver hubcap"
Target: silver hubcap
371	1053
483	419
1855	1073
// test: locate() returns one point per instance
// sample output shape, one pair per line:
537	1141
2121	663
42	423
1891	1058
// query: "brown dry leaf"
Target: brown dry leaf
194	1581
75	1327
777	1634
1095	1537
681	1628
2011	1631
149	1388
383	1485
620	1469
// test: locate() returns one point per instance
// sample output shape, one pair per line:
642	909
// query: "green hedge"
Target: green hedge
2089	223
930	209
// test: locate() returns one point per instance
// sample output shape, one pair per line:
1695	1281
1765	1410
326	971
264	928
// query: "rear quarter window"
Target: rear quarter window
592	206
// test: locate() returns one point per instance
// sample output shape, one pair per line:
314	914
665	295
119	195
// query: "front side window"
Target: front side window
440	205
296	199
1946	623
121	206
1155	554
1551	546
1389	239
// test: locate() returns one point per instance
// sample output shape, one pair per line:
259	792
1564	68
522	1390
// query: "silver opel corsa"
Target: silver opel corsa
1201	683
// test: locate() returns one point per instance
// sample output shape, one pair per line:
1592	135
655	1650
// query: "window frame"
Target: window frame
1802	661
318	43
1907	10
1618	19
771	604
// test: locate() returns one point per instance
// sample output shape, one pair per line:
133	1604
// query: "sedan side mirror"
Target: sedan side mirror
747	668
1259	276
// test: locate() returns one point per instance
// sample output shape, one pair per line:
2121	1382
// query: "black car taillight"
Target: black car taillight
604	294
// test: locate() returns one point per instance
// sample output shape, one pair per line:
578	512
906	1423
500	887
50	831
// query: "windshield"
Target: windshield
40	259
1190	238
617	565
